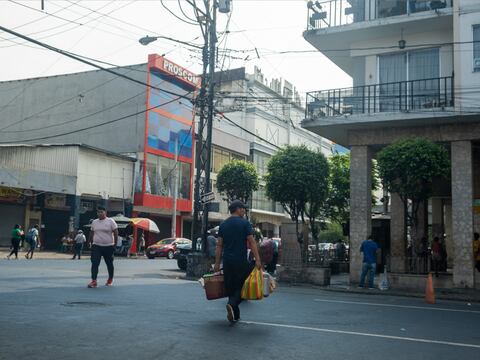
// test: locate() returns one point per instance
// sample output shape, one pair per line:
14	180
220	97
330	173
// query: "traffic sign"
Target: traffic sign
208	197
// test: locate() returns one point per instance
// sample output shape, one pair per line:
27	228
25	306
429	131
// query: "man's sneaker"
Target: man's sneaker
93	284
109	282
230	316
236	314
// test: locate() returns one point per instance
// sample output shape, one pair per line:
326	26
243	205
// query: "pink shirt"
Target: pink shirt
103	231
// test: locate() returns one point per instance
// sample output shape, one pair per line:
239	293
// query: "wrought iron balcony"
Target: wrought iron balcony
332	13
414	95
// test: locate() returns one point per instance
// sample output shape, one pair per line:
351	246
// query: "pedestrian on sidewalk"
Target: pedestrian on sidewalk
369	249
476	250
16	239
103	236
79	241
233	236
32	239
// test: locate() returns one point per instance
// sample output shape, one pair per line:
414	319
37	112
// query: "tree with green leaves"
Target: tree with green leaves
237	180
408	168
297	178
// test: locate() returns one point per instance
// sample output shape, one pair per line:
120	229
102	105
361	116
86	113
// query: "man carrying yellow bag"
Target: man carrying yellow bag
233	236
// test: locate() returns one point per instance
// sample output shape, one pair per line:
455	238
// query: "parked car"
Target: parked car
167	247
181	256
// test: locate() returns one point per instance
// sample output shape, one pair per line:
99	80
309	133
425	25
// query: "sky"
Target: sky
109	31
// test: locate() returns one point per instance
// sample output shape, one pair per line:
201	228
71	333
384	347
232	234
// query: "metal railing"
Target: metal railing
400	96
332	13
321	257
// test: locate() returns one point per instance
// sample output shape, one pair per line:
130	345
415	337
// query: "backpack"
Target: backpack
30	235
266	251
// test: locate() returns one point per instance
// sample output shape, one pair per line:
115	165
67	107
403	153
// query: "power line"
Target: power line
178	17
94	126
81	59
246	130
59	26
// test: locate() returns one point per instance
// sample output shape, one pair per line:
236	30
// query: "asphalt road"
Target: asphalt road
47	312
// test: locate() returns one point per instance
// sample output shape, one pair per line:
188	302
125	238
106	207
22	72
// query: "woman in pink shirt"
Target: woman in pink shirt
103	237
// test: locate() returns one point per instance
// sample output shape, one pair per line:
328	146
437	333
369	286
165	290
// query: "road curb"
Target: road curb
474	298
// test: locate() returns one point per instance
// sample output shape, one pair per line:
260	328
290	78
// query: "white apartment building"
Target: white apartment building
415	66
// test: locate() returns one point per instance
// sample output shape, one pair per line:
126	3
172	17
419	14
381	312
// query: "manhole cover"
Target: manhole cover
85	304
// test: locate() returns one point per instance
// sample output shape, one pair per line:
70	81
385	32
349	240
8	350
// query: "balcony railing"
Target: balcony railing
332	13
387	97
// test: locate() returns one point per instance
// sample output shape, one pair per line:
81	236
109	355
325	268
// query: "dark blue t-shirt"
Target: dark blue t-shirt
369	249
234	232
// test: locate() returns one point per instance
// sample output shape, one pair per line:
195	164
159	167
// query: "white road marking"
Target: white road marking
390	337
398	306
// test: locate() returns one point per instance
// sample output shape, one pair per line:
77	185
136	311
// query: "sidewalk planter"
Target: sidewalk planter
306	275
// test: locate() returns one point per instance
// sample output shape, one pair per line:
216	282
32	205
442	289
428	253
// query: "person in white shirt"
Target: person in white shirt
79	241
103	236
32	240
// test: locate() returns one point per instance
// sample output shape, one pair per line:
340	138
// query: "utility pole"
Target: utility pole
204	138
175	191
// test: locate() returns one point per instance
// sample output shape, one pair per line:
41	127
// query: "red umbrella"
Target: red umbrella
145	224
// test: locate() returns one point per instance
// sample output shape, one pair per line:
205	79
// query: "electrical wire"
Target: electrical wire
178	17
81	59
184	14
96	125
44	17
59	26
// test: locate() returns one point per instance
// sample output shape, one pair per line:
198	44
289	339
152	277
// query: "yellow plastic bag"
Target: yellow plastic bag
253	286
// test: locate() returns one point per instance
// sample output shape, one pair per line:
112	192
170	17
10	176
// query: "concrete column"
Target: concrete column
437	217
462	213
276	230
360	205
398	244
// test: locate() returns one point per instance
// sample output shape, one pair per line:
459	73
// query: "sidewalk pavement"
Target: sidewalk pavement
39	254
341	283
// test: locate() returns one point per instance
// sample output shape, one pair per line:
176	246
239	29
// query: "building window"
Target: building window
160	177
476	47
420	67
222	157
261	160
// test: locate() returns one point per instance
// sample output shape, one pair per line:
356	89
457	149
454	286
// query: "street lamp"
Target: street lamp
148	39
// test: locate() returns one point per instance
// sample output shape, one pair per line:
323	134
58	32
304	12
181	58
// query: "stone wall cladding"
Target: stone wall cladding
462	213
360	205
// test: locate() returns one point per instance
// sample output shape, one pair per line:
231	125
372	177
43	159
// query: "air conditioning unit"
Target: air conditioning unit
476	63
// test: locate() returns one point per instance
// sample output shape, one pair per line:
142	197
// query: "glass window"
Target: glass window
222	157
476	48
261	160
160	171
180	107
260	201
184	181
163	133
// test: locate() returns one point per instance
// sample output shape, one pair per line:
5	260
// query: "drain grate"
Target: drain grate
84	304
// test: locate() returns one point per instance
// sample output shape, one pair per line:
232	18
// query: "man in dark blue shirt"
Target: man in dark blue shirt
369	249
233	236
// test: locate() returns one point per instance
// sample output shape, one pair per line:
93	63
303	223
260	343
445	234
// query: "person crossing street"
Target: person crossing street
103	236
233	236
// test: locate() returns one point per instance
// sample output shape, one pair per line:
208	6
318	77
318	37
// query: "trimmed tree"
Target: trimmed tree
298	179
408	168
237	180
